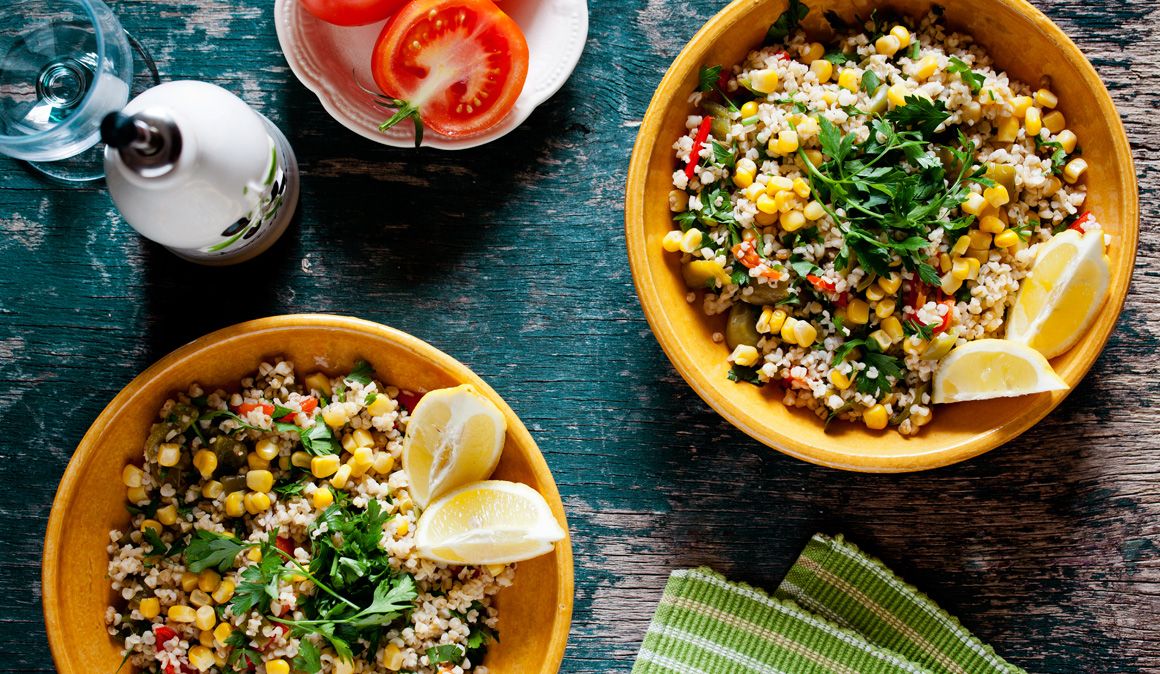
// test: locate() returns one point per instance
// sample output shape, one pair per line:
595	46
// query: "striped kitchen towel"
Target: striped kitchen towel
838	611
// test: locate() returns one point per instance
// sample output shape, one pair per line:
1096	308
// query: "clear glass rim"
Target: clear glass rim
35	138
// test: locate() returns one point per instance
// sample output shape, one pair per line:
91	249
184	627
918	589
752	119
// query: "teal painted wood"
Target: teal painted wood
511	258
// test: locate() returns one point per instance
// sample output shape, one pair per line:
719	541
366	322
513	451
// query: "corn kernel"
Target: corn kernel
875	417
848	80
914	345
881	339
1007	130
885	307
257	502
754	191
981	254
784	200
893	327
363	458
748	109
393	657
1033	121
222	632
691	241
318	381
997	195
874	293
812	52
744	355
151	524
188	581
814	156
301	459
839	380
131	476
770	320
1067	140
1054	121
168	454
341	476
1006	239
212	489
201	658
278	666
972	268
179	613
823	70
323	497
950	285
1046	99
1074	169
979	239
254	554
972	112
260	480
944	262
744	173
814	211
255	462
801	188
766	204
224	591
206	618
991	224
383	404
858	312
234	504
897	94
205	638
805	333
1020	105
926	68
890	283
961	245
778	184
763	81
787	329
324	466
974	204
209	580
792	221
961	269
267	448
402	528
888	45
787	142
150	608
335	416
384	462
167	515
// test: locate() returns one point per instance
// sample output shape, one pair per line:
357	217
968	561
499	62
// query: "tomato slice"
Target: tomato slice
456	66
352	12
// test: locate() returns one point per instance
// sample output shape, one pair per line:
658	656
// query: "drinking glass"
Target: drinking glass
64	65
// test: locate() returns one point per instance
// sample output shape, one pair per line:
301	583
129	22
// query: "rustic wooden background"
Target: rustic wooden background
511	257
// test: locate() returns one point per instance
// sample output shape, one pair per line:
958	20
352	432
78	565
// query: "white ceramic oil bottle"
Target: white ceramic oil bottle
194	168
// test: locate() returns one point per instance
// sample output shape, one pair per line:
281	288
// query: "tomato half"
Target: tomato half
458	65
352	12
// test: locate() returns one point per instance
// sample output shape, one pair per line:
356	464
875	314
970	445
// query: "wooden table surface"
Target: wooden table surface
511	258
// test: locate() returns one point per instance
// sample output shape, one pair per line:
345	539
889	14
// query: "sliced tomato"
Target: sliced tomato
246	408
455	66
163	633
352	12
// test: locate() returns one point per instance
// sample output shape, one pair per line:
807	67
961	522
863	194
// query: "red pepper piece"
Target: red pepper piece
698	143
1081	221
821	283
843	300
946	319
308	405
163	633
246	408
408	400
284	545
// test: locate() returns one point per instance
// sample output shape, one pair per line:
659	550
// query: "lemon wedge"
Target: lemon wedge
1060	297
993	368
455	436
492	522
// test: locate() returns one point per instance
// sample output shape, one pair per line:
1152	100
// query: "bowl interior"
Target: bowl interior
535	612
1009	30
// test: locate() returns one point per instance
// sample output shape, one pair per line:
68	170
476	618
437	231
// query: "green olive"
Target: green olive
767	293
741	327
877	104
232	483
231	454
698	273
720	124
1004	174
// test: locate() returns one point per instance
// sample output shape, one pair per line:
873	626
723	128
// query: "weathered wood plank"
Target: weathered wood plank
511	258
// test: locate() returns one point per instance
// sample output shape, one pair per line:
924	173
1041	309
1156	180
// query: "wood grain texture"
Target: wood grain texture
510	257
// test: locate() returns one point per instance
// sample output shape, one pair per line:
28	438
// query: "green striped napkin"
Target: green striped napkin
838	611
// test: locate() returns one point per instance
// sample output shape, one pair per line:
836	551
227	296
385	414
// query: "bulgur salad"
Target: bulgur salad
861	208
255	547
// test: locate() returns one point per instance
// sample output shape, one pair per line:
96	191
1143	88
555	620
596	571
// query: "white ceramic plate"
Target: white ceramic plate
324	57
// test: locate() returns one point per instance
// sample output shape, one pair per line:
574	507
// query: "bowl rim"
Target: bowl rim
697	377
69	488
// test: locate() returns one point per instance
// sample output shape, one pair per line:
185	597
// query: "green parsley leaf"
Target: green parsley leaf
885	366
913	327
971	78
723	156
838	58
447	653
845	348
787	22
290	487
208	550
741	373
309	658
708	78
362	373
919	114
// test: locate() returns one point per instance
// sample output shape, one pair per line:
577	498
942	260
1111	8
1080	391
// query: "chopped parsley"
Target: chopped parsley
886	367
787	22
745	374
969	77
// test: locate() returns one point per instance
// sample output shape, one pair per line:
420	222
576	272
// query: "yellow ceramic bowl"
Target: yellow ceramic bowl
1009	30
535	612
